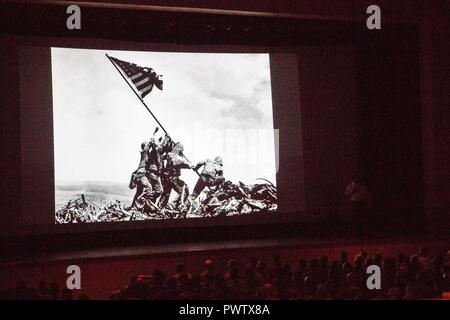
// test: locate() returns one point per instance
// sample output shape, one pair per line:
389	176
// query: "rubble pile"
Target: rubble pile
233	199
227	200
81	210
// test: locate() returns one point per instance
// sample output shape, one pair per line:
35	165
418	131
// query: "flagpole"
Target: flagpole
142	101
137	95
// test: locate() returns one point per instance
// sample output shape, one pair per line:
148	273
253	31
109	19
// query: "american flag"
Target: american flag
143	78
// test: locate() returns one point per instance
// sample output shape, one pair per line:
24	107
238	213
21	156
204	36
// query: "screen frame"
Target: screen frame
280	217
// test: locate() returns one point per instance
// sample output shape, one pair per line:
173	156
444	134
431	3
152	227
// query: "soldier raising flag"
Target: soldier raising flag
145	177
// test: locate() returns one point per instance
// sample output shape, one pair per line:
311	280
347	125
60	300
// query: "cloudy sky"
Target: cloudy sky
215	104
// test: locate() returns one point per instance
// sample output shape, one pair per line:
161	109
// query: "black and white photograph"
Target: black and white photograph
161	135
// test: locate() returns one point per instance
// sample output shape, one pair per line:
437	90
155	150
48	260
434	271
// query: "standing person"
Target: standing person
175	161
139	178
360	198
212	175
146	177
154	169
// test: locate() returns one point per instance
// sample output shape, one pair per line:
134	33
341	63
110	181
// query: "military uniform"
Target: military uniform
153	171
139	178
212	175
171	176
146	177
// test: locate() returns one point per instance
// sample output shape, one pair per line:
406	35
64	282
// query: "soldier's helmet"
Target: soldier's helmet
219	160
178	147
166	144
143	145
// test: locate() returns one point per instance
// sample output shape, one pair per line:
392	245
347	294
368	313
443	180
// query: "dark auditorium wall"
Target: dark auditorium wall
403	124
36	121
405	10
328	104
435	100
10	181
389	124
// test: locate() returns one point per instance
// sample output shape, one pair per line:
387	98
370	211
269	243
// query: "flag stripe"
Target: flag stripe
143	78
136	76
147	88
144	85
140	79
143	81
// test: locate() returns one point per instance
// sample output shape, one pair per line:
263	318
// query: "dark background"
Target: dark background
372	101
